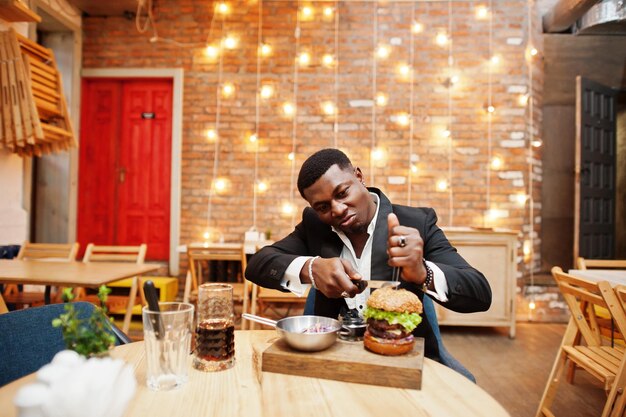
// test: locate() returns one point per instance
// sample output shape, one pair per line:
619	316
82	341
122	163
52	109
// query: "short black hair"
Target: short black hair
317	164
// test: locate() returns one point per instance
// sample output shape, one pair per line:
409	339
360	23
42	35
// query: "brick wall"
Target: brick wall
188	25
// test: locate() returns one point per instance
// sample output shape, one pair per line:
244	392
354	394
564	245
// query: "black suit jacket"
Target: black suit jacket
468	289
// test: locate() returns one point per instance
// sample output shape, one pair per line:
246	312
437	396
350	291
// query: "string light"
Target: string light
378	154
417	27
220	185
441	185
495	60
328	11
381	99
523	99
228	89
454	79
230	42
266	49
267	91
441	39
450	120
262	186
383	51
307	13
289	109
211	134
328	60
404	70
412	167
403	119
328	108
211	51
482	12
490	108
521	198
446	133
223	8
304	58
288	209
496	162
533	52
253	138
336	73
291	156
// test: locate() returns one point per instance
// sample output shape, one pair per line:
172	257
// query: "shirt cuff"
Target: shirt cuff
291	278
441	285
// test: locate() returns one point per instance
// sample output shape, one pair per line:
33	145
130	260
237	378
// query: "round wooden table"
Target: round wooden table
246	391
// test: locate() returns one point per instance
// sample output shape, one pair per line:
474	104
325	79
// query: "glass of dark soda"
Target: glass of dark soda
215	329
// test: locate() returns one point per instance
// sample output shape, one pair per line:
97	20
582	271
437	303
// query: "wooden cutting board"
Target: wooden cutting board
349	362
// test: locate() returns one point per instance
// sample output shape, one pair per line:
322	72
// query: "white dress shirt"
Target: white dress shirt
291	278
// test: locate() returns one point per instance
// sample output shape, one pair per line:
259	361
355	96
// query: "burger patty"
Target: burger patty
382	329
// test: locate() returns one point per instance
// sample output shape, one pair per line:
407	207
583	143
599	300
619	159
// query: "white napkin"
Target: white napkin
75	387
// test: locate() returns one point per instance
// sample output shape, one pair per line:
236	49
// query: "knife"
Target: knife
374	284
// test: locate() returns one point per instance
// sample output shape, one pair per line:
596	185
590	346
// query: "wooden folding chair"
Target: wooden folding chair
604	362
59	252
216	252
116	304
602	320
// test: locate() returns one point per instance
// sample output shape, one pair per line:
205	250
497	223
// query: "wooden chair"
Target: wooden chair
116	304
604	362
603	323
3	306
264	298
216	252
59	252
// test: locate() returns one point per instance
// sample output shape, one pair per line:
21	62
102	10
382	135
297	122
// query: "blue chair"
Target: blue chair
429	311
28	341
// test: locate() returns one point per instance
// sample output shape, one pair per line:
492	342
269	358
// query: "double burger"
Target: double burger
391	317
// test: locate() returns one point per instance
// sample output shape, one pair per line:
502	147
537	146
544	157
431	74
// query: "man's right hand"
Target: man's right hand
333	277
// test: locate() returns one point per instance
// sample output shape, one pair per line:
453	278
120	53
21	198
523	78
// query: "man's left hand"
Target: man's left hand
405	248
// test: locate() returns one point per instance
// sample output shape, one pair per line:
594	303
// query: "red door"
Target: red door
124	171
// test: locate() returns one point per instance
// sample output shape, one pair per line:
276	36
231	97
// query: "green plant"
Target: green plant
87	336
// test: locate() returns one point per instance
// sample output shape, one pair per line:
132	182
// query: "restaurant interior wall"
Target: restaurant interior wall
183	34
601	59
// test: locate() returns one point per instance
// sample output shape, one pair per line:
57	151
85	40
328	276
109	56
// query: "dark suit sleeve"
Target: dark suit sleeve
468	289
267	267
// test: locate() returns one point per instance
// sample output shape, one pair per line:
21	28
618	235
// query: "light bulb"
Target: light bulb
211	51
328	11
441	39
537	143
454	79
291	156
307	12
288	208
206	235
533	51
383	51
414	168
328	60
230	42
223	8
253	137
496	162
417	27
490	109
267	91
378	154
304	58
381	99
228	89
404	70
262	186
266	49
441	186
446	133
482	12
403	119
289	109
211	134
523	99
495	60
220	184
521	198
328	107
531	305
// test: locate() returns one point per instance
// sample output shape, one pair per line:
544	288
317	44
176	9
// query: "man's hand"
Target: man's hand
405	248
334	277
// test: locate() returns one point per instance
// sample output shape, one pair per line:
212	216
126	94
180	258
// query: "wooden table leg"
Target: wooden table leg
129	308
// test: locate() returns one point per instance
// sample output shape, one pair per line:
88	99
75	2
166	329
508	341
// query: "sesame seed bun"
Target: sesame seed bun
397	301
